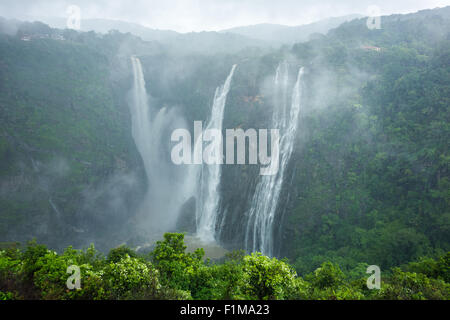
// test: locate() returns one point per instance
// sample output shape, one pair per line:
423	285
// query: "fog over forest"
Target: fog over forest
225	150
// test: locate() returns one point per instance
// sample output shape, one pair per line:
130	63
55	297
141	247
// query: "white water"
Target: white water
167	194
209	197
260	229
140	118
162	203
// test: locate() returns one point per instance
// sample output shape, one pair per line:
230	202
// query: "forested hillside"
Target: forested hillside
67	157
372	174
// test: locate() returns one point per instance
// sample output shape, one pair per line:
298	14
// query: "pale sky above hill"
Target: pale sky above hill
210	15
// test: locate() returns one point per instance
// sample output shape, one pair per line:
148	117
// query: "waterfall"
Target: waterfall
260	218
208	204
167	193
140	118
150	126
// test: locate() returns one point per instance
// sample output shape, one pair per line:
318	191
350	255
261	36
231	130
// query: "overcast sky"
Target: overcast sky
199	15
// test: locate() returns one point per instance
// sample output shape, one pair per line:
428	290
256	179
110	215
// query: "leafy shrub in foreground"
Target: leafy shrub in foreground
413	286
131	278
265	278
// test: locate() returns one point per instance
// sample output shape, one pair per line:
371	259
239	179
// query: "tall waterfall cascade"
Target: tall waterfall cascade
259	234
163	201
140	116
209	196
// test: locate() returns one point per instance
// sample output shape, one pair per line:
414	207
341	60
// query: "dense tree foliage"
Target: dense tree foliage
372	172
169	272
